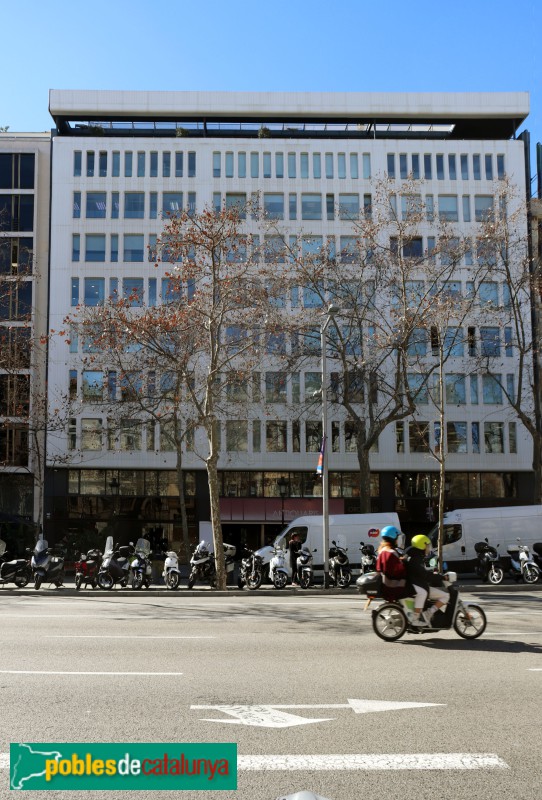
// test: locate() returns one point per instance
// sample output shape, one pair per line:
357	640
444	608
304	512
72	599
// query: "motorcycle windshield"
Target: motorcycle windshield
143	546
109	547
41	546
2	547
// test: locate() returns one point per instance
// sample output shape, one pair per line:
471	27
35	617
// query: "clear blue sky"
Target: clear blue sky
282	45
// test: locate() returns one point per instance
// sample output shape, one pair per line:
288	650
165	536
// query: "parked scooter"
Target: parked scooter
86	569
47	564
203	565
368	558
304	566
391	620
115	566
171	573
15	571
278	570
141	567
537	548
340	573
251	570
522	565
488	565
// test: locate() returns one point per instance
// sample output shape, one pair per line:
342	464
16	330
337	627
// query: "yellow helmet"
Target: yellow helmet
420	542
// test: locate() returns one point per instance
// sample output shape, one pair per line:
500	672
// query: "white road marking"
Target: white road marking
122	636
4	760
534	669
47	672
272	716
384	761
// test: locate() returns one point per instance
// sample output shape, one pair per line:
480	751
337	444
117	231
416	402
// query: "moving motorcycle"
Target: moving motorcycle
115	566
86	569
522	565
15	571
340	573
488	565
278	571
203	565
171	573
368	558
47	564
304	566
391	620
141	567
251	570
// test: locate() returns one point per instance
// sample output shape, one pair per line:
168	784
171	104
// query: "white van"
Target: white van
348	530
501	526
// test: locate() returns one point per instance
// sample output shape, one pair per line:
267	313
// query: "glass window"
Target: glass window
494	437
508	342
329	165
348	206
91	434
452	172
279	165
267	165
474	390
417	345
316	165
141	164
447	207
134	205
241	165
228	165
466	208
488	160
274	205
366	166
276	436
500	167
236	200
512	437
95	247
490	342
93	385
311	206
313	436
179	164
483	207
75	292
464	166
416	166
403	167
428	166
456	393
132	290
191	164
237	435
115	205
491	389
114	247
153	205
304	165
475	435
153	168
440	167
488	293
96	205
418	433
291	165
172	203
411	206
134	247
417	386
476	171
115	168
354	167
128	164
77	161
275	387
349	249
391	165
130	434
254	165
76	205
330	206
400	437
94	291
76	246
341	165
457	437
90	164
166	165
292	206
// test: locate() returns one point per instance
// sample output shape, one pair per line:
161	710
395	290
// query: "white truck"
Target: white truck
348	530
501	526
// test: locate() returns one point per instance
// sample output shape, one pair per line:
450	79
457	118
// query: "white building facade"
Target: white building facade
121	158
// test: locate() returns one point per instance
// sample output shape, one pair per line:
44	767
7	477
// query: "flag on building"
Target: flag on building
320	466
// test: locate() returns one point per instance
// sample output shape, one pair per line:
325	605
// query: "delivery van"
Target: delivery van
348	530
501	526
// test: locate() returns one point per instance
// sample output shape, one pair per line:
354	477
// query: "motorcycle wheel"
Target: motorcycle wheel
78	581
254	580
105	581
280	580
495	575
172	580
344	579
389	622
531	574
137	581
37	581
21	580
304	580
470	622
191	580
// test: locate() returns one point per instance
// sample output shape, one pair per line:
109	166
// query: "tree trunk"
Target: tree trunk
364	479
214	498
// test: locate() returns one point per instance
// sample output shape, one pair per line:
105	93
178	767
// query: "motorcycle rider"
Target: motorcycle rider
421	579
294	547
390	565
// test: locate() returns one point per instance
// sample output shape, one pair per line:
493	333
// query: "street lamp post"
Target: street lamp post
331	311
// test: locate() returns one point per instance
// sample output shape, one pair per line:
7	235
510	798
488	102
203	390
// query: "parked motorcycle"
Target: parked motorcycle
522	564
488	565
251	570
340	573
278	570
304	568
171	573
203	565
15	571
368	558
47	564
537	548
86	569
141	567
115	566
391	620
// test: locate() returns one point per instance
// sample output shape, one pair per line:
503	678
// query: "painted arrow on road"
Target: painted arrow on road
273	715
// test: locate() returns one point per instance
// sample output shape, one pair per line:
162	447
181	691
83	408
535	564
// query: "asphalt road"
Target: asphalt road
271	654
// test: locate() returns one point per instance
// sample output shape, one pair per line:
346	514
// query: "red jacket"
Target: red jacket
393	573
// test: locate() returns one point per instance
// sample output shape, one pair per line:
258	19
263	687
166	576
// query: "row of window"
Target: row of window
282	436
455	388
291	165
413	208
416	436
134	164
441	166
133	205
17	170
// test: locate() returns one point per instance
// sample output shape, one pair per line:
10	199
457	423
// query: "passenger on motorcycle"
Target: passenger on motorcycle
421	580
390	565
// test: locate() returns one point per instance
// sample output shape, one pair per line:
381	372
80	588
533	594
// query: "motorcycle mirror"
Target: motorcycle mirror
486	540
334	542
131	544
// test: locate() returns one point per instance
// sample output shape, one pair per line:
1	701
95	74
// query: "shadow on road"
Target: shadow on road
477	645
